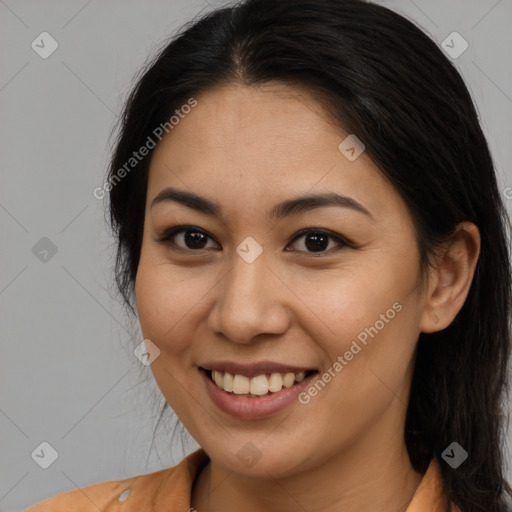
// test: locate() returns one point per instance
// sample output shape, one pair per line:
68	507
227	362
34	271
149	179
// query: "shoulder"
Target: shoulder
159	489
105	496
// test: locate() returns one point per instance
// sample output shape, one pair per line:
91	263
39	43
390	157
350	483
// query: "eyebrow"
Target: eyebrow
289	207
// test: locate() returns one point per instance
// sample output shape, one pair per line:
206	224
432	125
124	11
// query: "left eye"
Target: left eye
318	241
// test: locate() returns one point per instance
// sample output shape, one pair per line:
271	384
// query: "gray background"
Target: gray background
68	376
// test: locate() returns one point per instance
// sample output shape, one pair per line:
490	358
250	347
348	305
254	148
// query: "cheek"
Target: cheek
165	308
164	300
371	313
345	303
379	332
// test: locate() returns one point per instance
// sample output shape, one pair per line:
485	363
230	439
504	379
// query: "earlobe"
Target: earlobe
451	280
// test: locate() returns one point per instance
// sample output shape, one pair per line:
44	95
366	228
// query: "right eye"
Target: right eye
195	239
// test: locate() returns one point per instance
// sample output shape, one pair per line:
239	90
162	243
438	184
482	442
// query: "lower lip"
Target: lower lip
253	407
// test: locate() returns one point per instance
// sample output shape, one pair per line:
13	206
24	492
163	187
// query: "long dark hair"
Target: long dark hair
382	78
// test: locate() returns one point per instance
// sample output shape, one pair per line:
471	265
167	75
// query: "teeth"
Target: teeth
289	379
275	382
218	378
228	382
259	385
240	385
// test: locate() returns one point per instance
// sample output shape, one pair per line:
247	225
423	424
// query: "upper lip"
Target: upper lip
253	369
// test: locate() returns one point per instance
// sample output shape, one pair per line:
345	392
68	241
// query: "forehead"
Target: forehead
243	117
270	142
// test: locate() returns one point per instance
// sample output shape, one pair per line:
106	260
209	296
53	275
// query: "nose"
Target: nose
250	301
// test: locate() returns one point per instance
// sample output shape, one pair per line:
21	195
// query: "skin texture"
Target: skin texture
249	148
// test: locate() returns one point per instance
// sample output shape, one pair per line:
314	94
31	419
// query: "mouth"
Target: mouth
257	386
254	391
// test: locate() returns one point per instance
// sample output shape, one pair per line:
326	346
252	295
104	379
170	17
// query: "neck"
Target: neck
367	478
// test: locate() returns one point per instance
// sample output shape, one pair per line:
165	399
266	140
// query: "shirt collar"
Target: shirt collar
173	488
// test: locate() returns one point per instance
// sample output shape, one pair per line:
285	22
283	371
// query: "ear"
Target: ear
451	278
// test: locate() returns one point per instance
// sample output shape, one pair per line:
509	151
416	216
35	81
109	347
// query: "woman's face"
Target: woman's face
239	291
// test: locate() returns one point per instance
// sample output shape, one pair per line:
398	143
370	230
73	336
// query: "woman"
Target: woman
311	233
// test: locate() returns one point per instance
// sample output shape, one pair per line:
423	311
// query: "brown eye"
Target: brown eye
316	241
193	239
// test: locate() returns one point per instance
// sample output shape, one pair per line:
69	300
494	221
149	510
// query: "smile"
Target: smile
259	385
260	393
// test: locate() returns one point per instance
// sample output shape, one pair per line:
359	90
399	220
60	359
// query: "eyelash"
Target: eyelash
166	239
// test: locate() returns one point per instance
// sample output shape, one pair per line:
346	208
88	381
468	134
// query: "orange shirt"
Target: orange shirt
169	490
